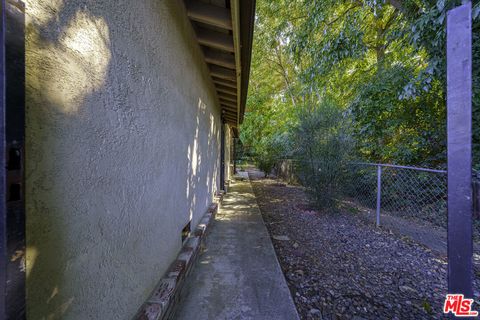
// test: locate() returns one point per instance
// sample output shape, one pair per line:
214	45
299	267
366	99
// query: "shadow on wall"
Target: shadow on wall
79	116
81	43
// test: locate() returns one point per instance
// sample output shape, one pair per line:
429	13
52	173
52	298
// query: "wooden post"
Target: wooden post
459	126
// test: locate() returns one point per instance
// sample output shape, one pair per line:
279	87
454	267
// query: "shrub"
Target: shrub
265	163
269	150
323	145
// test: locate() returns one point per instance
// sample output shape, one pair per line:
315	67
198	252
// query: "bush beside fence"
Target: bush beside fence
407	192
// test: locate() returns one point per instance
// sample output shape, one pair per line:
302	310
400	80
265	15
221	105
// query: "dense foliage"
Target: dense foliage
381	64
324	144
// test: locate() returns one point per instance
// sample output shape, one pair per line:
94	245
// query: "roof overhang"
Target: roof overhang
224	31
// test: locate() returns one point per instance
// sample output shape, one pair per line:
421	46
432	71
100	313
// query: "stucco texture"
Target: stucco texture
122	145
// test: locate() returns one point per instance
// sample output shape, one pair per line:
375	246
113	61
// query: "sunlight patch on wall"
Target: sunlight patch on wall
88	39
201	105
41	12
32	254
194	156
211	134
60	311
70	69
189	156
53	294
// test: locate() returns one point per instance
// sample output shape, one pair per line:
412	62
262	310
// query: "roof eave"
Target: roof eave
247	22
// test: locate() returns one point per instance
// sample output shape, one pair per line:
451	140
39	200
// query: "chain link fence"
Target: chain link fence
407	192
402	191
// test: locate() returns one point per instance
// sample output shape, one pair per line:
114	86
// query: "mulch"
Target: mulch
338	266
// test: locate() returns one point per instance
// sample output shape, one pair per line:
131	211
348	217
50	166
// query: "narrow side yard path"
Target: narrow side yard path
238	276
339	266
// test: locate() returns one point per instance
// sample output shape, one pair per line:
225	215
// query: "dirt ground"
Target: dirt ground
340	266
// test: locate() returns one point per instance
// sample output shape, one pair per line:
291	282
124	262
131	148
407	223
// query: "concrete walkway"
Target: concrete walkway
238	276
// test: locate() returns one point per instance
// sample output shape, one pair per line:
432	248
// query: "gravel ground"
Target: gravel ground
338	266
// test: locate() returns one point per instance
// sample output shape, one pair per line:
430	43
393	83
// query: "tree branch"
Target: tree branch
343	14
391	19
399	5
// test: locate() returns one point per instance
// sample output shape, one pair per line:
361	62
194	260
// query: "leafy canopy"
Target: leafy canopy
382	63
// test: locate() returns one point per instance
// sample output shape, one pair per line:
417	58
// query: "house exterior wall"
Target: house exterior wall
122	145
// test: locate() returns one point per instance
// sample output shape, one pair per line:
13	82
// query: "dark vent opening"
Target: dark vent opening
186	231
14	159
15	192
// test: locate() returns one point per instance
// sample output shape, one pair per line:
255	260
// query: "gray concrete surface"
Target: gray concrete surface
238	276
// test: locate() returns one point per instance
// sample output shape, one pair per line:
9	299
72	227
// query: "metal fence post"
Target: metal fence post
379	193
459	149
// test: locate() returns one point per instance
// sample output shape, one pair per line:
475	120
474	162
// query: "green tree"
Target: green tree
381	62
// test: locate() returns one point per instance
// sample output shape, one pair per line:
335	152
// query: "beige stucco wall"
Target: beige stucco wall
122	150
